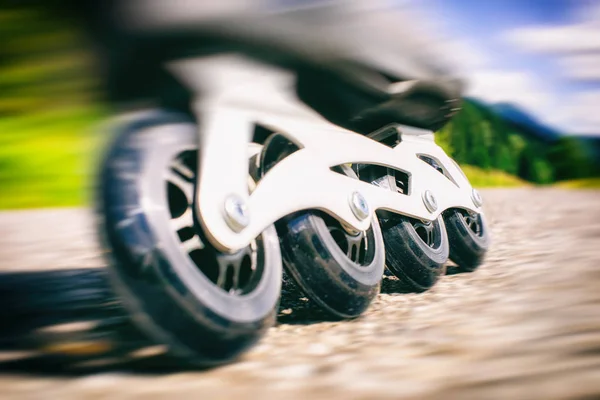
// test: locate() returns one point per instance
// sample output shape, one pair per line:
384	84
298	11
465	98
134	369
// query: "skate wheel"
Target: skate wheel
205	306
469	238
338	270
415	251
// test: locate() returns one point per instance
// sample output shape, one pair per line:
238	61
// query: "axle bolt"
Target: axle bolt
236	213
476	197
429	201
359	206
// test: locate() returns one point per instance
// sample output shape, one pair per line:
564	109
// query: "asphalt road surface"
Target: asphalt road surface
525	325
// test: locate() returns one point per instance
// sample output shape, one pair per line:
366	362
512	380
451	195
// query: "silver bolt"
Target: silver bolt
476	197
236	213
429	201
359	206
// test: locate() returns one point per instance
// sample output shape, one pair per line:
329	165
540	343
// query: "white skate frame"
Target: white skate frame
237	94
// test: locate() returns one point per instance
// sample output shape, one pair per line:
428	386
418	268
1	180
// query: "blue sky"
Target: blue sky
516	59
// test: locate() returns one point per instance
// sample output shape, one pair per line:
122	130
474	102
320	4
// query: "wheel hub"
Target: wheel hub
473	222
427	232
232	272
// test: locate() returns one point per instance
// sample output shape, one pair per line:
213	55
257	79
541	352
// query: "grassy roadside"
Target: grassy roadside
481	178
46	159
588	183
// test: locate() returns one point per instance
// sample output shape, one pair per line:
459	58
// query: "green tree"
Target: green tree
506	159
541	171
516	142
443	138
570	159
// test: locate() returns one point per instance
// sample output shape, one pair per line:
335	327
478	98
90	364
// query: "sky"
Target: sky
543	55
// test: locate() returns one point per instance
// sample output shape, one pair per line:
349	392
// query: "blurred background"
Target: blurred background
525	325
530	116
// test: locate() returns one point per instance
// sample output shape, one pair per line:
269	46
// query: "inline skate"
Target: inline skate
261	148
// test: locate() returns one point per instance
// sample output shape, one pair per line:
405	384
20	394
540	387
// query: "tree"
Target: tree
443	138
570	159
541	171
506	159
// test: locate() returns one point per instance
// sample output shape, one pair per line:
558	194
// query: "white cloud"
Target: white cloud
576	50
581	66
576	45
580	113
510	86
559	39
583	35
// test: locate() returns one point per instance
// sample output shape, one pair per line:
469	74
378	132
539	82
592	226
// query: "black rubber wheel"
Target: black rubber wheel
469	238
415	251
338	270
206	306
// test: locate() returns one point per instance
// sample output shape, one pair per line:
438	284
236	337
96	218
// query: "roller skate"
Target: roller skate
264	150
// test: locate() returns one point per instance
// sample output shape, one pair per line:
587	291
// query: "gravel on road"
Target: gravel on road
525	325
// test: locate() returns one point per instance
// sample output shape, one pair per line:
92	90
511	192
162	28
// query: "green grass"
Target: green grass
491	178
587	183
46	159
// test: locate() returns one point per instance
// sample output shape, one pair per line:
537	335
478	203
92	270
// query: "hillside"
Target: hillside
508	139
